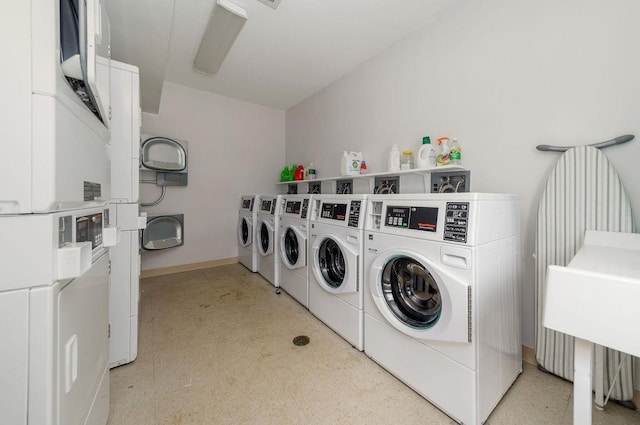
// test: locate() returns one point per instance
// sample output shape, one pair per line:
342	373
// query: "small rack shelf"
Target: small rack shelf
369	178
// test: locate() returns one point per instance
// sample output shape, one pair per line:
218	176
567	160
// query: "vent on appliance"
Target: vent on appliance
272	3
387	185
344	187
314	188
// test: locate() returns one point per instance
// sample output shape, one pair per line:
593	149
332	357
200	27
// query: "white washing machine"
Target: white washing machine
294	234
335	256
247	217
266	236
442	296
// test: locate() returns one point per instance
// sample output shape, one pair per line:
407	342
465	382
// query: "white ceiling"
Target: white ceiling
281	56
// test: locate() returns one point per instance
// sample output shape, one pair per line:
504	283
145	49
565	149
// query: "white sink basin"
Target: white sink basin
597	296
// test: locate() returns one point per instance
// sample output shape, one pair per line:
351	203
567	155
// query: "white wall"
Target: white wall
235	148
502	76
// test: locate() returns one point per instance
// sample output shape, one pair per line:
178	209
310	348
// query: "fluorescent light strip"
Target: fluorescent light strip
225	23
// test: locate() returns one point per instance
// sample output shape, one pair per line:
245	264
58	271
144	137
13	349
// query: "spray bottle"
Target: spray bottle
445	156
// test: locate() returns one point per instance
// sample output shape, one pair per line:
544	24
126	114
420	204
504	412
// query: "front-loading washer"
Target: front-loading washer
294	234
247	218
442	296
266	236
335	256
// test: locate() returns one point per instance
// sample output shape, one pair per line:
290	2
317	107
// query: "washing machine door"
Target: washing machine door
420	298
335	264
245	231
293	246
264	237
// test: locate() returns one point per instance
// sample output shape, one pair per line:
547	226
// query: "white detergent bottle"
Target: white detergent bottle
393	163
427	154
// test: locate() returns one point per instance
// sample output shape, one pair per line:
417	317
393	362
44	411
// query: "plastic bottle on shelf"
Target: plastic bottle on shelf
311	172
393	163
406	160
456	152
427	154
292	171
284	174
299	174
363	167
445	156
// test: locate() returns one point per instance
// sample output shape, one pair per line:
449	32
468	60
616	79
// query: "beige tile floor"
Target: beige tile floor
216	348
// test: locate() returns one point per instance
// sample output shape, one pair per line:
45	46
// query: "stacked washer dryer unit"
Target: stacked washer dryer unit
247	218
124	293
266	236
442	301
294	234
335	253
54	185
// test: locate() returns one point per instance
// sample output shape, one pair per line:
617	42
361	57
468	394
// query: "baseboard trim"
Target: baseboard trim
187	267
529	355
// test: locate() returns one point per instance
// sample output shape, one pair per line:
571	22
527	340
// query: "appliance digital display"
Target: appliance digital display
415	218
334	211
293	207
89	229
246	203
266	205
424	218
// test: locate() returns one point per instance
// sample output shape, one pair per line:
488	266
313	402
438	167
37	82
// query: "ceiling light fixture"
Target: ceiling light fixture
272	3
225	23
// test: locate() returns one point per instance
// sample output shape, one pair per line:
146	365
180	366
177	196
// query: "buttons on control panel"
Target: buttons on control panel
456	222
354	213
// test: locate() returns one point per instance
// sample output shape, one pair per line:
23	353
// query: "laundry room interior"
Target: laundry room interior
320	212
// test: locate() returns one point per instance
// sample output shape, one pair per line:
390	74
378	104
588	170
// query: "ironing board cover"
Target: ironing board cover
583	193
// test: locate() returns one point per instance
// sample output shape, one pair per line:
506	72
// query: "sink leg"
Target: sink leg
583	357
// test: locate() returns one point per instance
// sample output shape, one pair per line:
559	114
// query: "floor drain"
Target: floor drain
301	340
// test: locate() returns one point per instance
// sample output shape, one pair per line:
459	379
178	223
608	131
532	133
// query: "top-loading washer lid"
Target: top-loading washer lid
163	154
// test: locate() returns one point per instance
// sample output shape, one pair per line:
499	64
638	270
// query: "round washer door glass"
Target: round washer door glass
291	247
244	231
331	263
264	237
411	292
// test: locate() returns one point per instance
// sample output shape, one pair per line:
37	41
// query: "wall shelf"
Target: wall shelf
365	183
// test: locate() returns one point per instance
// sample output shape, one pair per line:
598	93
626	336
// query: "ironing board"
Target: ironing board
583	193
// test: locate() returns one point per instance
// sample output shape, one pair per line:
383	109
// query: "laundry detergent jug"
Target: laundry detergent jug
427	154
350	164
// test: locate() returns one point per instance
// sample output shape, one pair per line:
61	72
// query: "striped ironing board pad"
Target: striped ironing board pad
583	193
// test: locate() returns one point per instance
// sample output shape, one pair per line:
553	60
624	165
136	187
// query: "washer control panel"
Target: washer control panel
456	222
305	208
293	207
354	213
334	211
415	218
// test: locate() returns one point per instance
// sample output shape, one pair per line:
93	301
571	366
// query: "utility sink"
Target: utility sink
597	296
596	299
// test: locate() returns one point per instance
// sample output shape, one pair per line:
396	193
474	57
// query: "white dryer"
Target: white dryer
294	234
442	297
266	236
335	255
247	218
